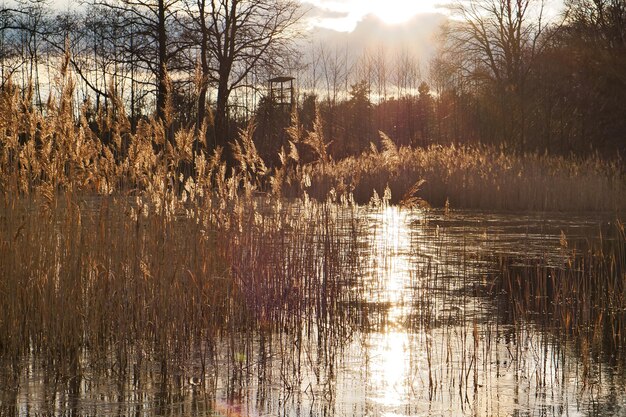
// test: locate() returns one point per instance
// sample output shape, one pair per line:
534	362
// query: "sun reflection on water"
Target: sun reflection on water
388	350
393	272
389	364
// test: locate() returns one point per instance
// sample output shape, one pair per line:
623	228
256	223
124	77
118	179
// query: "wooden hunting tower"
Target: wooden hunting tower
273	117
281	91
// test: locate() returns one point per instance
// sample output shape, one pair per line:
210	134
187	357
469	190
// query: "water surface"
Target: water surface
420	332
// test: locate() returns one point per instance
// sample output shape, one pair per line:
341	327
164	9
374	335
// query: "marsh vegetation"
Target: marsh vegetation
293	258
144	277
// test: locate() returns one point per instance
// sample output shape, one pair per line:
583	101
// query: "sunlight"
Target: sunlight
388	369
343	15
394	245
389	349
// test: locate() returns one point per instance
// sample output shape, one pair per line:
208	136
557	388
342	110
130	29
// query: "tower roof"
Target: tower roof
281	79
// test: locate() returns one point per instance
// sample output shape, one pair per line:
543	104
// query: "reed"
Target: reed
98	286
140	250
478	177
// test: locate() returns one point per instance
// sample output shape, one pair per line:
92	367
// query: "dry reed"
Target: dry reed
479	177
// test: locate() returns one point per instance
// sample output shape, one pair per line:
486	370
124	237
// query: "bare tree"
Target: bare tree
364	70
33	23
406	74
495	44
382	72
335	71
10	60
155	21
237	37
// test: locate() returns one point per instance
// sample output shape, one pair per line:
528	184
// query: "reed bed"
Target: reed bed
142	251
478	177
270	307
91	287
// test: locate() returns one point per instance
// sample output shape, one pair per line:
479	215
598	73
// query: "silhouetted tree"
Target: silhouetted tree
425	113
359	118
236	38
156	24
494	46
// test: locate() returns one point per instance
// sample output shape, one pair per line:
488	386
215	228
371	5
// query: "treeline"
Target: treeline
505	73
539	83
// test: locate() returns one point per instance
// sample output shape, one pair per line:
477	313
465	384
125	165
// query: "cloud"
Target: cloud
417	36
344	15
322	16
369	35
318	12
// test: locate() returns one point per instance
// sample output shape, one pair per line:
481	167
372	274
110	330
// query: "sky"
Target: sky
394	26
345	15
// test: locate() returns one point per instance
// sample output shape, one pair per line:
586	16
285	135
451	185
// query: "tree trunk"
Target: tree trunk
162	89
202	93
221	118
133	115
